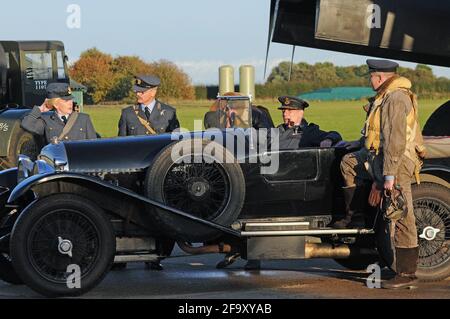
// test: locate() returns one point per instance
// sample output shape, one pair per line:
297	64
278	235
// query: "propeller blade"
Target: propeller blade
274	12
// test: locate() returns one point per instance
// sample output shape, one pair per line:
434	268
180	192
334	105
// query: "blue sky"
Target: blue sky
198	35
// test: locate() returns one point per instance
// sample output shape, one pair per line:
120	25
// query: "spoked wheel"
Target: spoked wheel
207	186
7	273
63	245
200	189
432	210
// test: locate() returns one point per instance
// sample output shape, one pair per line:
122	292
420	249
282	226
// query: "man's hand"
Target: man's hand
326	143
45	107
349	145
389	185
375	196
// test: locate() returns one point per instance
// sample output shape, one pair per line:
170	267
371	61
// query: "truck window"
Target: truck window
60	65
38	66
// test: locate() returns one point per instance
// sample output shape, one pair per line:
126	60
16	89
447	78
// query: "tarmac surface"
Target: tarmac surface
195	277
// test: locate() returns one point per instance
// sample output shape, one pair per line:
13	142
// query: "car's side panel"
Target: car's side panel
305	185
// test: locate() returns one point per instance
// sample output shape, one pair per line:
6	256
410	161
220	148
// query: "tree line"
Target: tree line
111	79
307	77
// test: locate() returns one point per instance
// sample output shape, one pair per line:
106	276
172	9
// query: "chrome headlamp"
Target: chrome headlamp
25	168
55	155
42	167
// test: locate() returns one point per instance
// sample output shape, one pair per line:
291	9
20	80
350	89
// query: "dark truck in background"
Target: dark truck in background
26	68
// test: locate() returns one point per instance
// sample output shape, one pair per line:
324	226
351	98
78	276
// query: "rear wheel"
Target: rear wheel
63	245
432	210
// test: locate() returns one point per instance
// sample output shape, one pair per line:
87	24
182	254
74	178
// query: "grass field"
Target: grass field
345	117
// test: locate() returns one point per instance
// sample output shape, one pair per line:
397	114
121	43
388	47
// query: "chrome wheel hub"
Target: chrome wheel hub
429	233
65	246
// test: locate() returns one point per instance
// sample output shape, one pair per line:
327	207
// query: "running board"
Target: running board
309	232
135	258
279	227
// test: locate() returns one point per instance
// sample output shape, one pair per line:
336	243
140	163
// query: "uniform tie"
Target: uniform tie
147	113
64	119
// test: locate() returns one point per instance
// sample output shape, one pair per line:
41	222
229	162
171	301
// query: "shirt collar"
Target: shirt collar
60	116
149	106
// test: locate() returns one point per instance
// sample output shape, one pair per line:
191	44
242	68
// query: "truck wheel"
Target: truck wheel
208	187
7	273
432	210
62	245
22	143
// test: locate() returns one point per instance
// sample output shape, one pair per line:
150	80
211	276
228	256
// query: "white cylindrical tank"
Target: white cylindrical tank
226	79
247	80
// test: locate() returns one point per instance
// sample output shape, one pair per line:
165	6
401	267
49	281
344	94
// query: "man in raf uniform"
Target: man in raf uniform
296	133
55	119
392	148
149	116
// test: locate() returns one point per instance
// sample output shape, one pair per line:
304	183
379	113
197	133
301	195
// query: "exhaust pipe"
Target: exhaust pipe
210	249
311	250
335	251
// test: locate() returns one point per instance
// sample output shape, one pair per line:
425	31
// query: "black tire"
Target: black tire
21	143
7	273
214	191
37	253
431	208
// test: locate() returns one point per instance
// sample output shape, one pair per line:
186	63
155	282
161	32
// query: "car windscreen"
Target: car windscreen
234	114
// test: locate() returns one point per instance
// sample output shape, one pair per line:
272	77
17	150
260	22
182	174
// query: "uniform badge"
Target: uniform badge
287	101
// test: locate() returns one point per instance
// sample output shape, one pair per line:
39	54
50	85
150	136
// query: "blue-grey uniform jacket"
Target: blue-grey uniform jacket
163	119
50	126
305	135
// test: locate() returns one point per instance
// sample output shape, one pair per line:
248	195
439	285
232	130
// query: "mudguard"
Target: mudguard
180	217
8	181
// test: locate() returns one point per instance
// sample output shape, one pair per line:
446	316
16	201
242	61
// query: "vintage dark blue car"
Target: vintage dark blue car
89	204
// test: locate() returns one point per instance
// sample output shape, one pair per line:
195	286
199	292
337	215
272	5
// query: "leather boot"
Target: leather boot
154	265
406	270
355	200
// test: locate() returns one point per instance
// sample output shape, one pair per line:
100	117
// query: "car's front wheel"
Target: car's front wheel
62	245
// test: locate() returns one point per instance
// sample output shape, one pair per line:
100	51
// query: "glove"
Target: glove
375	196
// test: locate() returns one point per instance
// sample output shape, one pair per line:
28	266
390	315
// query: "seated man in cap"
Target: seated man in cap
296	133
62	123
149	116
